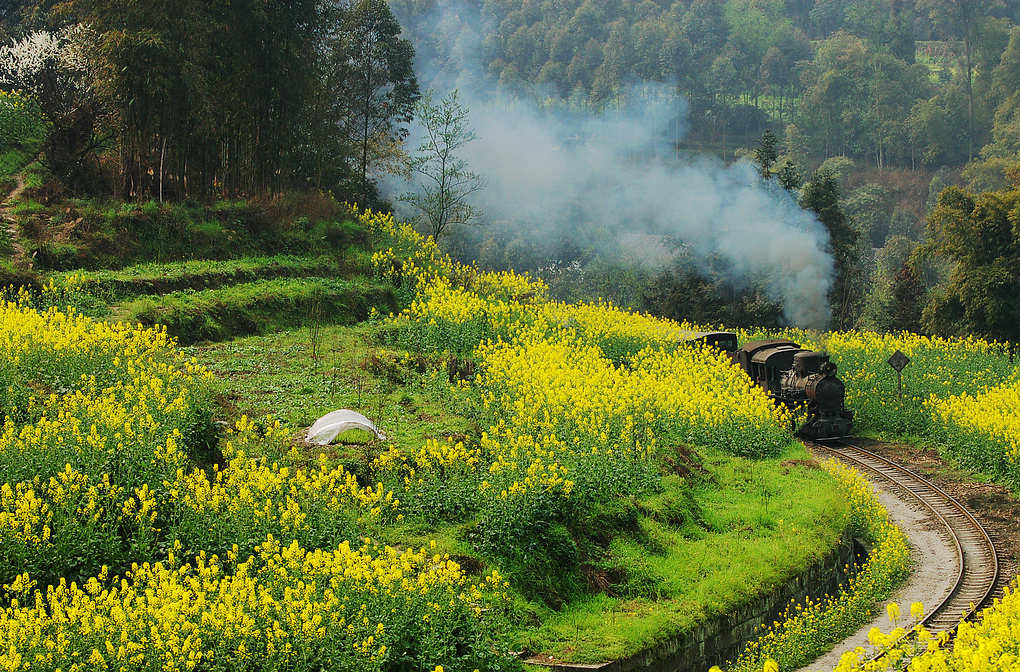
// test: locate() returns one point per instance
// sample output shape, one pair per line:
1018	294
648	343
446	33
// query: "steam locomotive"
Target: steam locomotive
793	376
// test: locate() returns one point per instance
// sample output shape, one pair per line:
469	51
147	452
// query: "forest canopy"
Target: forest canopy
865	111
191	98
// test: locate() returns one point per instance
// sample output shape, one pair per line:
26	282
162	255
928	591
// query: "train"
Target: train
791	375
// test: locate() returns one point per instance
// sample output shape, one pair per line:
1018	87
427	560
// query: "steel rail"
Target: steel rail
977	560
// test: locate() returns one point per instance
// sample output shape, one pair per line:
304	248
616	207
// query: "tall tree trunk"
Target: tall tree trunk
162	156
970	92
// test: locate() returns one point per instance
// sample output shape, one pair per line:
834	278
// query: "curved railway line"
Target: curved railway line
977	562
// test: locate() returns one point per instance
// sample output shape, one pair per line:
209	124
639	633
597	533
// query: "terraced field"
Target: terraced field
566	482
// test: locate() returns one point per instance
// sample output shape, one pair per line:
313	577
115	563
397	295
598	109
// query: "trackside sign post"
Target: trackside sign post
899	362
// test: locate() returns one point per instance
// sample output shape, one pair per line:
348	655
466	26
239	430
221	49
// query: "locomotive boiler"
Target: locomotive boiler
793	376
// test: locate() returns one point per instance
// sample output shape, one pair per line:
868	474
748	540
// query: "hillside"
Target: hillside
593	530
680	501
509	233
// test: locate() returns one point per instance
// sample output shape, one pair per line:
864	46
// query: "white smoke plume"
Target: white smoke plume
550	170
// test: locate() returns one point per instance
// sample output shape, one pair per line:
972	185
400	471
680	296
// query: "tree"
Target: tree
869	206
790	175
906	299
893	301
55	69
977	233
446	182
821	195
380	76
961	19
766	154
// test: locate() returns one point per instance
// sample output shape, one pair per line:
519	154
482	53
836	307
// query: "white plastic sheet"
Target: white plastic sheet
329	426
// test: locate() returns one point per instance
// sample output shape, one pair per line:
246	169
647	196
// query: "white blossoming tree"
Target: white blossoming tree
54	69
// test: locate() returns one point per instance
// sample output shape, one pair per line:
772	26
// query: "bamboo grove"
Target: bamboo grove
196	99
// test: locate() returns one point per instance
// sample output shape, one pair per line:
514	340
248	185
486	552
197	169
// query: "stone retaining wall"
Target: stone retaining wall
724	637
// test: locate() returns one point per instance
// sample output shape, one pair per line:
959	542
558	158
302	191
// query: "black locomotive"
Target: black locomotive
793	376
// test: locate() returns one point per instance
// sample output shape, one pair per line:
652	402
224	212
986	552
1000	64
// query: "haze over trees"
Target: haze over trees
864	110
898	98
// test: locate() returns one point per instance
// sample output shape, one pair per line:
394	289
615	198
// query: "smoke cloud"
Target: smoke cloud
549	169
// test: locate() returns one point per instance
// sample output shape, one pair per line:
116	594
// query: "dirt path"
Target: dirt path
18	258
934	560
993	505
932	578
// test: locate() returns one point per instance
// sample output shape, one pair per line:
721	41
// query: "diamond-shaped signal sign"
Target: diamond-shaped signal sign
898	361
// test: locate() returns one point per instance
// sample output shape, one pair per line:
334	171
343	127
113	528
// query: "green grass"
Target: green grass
94	234
258	307
6	247
12	160
161	278
705	544
300	375
679	573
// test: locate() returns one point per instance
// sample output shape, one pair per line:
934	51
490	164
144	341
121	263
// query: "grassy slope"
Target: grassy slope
670	559
259	307
752	542
689	554
160	278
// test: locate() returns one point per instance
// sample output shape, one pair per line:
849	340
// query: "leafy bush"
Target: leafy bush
22	125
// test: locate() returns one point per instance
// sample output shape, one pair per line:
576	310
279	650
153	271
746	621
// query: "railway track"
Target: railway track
977	562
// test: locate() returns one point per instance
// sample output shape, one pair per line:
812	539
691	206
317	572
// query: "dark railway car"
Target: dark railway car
799	377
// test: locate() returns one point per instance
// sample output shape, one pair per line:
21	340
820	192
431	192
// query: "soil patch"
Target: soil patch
993	505
9	222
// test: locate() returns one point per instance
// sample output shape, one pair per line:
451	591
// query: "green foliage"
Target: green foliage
869	207
22	125
938	369
163	278
978	233
95	234
822	195
162	96
766	154
683	560
806	630
897	294
383	89
259	307
677	551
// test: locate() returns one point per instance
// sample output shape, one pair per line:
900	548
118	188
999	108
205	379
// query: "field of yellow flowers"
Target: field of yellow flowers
958	393
125	510
131	539
536	354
